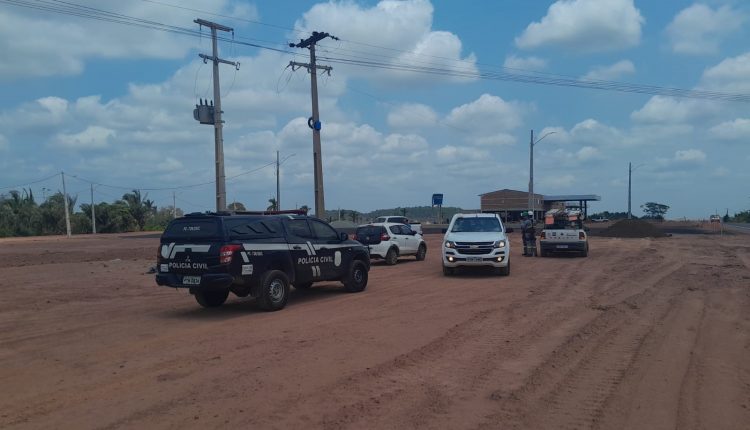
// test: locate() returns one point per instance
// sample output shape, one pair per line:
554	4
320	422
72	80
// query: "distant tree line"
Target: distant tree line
21	215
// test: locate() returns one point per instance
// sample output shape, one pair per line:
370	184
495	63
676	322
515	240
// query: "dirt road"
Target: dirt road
643	334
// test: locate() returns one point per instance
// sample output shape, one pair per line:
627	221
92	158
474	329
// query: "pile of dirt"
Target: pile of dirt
632	228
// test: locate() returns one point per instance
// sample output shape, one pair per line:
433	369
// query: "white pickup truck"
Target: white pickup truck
415	226
563	232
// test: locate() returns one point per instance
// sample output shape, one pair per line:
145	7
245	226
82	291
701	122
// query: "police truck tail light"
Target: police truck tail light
581	235
227	252
384	237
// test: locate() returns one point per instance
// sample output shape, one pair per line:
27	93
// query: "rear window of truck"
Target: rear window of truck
192	229
253	228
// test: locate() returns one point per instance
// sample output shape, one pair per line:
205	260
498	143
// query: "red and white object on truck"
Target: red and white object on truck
563	233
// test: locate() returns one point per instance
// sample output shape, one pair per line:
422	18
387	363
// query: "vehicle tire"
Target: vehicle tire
421	252
356	280
303	286
448	271
211	298
504	271
274	290
585	252
391	257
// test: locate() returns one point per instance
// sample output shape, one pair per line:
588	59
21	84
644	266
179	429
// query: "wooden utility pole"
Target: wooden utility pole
314	121
65	203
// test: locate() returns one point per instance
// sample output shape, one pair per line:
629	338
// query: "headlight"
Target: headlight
450	244
499	244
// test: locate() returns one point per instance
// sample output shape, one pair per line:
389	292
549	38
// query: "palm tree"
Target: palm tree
272	206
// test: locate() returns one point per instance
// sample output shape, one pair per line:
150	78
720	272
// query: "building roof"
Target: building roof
573	198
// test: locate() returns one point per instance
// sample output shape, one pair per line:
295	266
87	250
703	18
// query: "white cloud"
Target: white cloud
588	153
698	29
613	71
4	145
77	40
690	156
499	139
525	63
556	182
732	130
721	172
404	143
486	114
402	25
412	116
455	154
170	165
661	109
93	137
732	75
585	26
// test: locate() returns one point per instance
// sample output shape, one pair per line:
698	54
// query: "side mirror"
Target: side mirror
509	230
343	236
445	230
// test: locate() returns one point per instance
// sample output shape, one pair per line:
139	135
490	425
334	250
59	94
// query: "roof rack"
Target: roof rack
284	212
227	213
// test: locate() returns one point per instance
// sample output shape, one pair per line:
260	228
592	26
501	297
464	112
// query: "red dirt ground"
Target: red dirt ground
642	334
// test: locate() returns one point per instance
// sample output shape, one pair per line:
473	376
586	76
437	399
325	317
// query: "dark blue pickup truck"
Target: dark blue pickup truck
258	255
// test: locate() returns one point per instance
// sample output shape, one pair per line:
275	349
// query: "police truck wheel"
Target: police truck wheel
274	290
391	257
211	298
421	252
356	280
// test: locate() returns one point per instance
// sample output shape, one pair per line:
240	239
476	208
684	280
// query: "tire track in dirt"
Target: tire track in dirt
577	387
483	348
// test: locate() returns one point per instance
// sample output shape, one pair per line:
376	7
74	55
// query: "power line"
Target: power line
529	77
181	187
30	183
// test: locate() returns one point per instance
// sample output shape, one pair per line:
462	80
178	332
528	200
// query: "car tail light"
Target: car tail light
581	235
543	236
384	237
227	252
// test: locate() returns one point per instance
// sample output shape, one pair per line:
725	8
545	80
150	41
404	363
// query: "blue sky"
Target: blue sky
112	103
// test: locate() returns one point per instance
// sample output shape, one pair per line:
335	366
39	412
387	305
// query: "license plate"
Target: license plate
562	246
474	259
191	280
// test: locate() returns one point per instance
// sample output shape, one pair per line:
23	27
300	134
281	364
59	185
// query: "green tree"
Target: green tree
141	208
304	208
272	206
655	210
236	206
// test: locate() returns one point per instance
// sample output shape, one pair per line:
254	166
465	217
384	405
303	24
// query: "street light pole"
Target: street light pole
532	143
630	176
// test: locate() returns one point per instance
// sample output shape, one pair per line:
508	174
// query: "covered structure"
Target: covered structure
510	203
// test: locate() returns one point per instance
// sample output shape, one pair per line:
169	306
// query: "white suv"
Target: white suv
388	240
476	240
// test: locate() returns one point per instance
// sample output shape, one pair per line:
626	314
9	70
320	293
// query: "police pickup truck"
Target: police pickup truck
256	254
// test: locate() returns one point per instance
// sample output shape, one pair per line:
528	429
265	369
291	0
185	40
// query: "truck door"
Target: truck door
300	237
330	254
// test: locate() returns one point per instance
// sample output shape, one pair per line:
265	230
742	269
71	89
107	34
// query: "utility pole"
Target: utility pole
174	205
314	121
531	174
221	191
93	216
65	202
278	188
532	199
630	175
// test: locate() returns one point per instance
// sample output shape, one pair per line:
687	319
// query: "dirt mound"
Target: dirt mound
632	228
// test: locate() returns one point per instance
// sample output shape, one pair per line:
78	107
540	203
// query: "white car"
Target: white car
474	240
563	233
416	226
389	241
